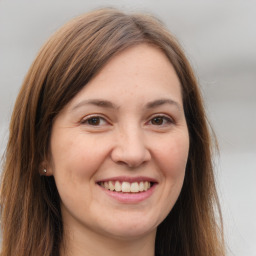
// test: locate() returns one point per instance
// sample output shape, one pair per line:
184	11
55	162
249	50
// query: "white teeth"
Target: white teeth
106	185
141	186
118	186
135	187
111	186
146	185
126	187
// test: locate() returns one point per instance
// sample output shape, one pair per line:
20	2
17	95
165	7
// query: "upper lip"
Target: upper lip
128	179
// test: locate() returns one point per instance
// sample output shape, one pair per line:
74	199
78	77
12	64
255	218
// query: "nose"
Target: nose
130	148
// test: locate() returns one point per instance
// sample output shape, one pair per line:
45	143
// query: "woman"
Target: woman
109	150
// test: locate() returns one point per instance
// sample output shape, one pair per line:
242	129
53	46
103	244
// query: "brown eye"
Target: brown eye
94	121
159	120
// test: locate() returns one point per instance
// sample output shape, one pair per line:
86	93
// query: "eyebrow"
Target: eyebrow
96	102
109	104
160	102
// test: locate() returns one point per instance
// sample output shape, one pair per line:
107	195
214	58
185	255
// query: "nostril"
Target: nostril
119	162
131	152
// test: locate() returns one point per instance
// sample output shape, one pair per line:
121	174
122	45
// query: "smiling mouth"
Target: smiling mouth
126	187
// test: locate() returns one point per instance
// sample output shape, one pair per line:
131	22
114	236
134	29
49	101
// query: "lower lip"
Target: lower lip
130	197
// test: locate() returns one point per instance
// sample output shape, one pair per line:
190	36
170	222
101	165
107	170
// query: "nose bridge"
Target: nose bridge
130	146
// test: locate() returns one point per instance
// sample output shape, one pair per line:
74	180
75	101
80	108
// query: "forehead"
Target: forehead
139	72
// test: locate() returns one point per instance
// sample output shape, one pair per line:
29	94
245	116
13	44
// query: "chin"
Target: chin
131	228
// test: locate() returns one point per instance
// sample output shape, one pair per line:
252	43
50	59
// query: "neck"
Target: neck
80	244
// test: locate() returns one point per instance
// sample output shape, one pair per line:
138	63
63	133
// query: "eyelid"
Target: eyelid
168	118
85	119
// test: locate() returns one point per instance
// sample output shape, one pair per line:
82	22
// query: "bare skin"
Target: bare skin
126	128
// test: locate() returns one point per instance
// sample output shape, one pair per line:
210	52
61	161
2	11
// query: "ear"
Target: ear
45	169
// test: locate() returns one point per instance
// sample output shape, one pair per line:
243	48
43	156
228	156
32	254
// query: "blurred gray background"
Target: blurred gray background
219	38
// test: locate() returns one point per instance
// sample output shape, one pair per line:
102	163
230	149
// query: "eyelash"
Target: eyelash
164	120
167	120
96	118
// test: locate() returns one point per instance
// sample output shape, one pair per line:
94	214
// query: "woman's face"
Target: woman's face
119	148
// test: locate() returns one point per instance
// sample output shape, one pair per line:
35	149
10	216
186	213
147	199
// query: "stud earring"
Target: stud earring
44	171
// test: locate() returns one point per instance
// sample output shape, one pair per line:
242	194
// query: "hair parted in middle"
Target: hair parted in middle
65	64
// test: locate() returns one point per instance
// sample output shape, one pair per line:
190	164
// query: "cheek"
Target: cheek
171	159
76	158
173	156
74	163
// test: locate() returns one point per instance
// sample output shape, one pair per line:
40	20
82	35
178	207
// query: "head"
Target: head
72	58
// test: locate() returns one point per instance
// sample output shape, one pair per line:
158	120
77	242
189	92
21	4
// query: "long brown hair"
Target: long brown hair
30	204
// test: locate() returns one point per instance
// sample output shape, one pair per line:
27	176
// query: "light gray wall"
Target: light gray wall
219	38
